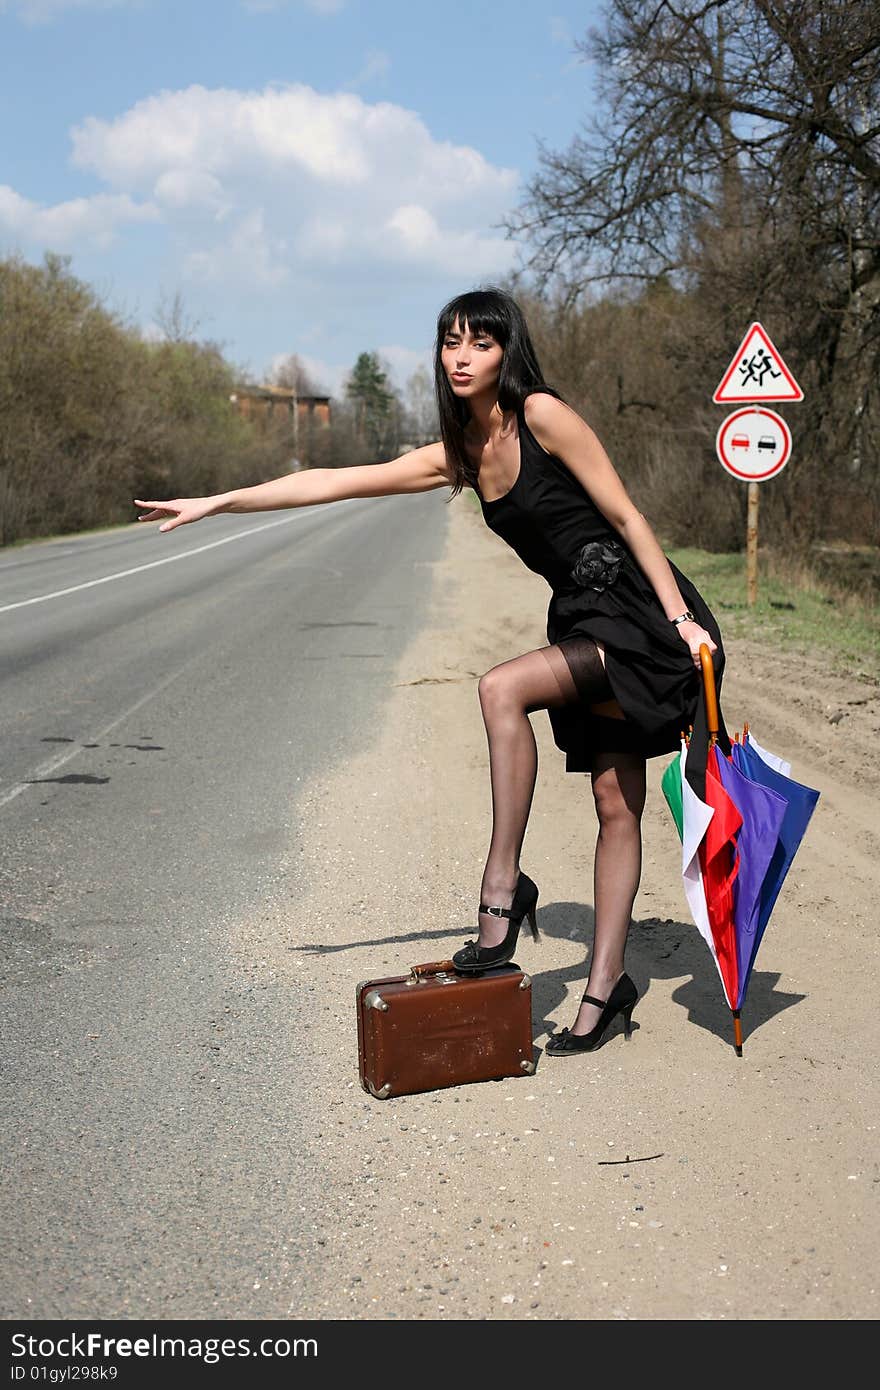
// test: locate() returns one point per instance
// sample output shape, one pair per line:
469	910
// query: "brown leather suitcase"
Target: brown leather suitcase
434	1028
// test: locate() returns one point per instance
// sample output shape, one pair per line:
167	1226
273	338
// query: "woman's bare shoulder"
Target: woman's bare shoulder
540	409
554	424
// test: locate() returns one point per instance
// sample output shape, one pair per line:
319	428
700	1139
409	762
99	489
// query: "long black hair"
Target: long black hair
494	312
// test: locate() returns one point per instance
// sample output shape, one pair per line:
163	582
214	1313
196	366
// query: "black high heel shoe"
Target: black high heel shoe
621	1000
471	959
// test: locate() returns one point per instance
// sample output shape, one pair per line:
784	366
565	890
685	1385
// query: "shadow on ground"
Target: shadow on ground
658	949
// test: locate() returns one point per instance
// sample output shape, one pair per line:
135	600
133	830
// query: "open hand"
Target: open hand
180	510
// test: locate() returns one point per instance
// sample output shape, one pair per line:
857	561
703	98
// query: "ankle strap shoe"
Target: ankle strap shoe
473	959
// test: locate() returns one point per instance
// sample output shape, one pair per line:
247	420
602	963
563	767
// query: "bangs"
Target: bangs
477	312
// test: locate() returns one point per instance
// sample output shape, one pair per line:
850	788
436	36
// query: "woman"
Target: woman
620	676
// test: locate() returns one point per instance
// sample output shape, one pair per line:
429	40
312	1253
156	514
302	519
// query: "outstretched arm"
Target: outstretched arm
420	470
561	431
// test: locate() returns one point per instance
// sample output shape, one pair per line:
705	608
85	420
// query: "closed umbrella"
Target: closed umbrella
741	819
799	803
708	825
762	811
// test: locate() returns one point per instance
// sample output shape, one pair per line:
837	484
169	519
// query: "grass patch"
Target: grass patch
794	610
849	569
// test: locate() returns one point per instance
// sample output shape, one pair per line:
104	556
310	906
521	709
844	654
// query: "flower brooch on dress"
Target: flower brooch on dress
597	565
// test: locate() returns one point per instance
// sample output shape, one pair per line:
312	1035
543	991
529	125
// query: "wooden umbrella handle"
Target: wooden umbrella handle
709	690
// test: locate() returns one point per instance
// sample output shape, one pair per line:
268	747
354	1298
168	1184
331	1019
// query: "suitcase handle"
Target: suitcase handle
433	967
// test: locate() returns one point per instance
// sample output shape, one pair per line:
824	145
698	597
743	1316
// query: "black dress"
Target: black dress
600	592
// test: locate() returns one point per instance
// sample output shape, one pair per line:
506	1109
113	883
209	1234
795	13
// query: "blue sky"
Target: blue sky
313	176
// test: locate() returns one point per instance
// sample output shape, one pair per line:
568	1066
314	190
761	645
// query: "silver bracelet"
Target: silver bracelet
686	617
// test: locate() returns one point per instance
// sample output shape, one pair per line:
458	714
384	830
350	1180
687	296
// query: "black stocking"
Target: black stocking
562	674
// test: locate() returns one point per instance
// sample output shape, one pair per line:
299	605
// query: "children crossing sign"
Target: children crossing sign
757	373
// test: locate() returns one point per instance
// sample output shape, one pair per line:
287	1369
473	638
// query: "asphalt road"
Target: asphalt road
162	697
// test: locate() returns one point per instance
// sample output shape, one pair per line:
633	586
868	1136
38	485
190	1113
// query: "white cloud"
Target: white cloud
79	222
324	7
190	188
276	182
414	225
291	132
420	240
376	64
225	134
41	11
250	255
292	220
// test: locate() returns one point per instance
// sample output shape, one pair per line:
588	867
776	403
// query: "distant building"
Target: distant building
265	404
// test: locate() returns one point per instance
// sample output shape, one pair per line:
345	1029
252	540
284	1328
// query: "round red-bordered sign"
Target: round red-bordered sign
753	444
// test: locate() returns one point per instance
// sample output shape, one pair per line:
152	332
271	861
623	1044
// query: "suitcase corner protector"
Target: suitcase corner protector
380	1092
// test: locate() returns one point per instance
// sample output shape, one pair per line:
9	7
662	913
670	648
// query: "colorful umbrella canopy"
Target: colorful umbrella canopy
741	819
762	813
800	803
692	817
719	861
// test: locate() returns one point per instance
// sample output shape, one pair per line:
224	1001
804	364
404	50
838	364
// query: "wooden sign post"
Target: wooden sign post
752	547
754	444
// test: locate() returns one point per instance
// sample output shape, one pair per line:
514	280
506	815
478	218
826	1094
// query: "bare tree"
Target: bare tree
292	373
420	418
779	97
737	156
173	319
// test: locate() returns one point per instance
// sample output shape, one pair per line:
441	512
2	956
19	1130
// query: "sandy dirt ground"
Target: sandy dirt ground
752	1186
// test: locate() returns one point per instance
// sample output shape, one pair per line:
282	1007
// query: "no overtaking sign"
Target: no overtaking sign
754	444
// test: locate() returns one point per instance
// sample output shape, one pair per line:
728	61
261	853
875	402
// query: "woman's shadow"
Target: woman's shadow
657	949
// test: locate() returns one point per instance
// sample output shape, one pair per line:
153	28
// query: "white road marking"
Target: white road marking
46	769
138	569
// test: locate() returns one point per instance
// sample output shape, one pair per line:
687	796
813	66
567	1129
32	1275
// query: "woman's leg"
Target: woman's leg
541	679
619	792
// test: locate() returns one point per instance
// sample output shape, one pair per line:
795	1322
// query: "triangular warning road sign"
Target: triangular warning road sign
757	373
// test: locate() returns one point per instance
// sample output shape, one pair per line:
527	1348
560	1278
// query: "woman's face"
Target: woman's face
472	362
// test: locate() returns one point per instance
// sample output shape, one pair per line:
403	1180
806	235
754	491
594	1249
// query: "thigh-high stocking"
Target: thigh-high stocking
546	678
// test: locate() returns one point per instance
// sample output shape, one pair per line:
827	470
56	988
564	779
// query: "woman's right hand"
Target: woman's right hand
181	510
